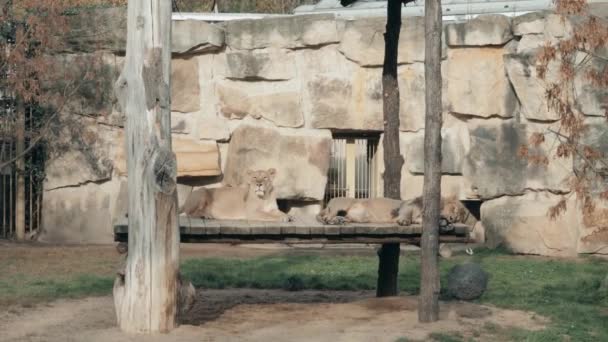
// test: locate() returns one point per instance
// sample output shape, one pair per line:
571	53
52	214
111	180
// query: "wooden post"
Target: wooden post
388	254
20	171
428	308
146	296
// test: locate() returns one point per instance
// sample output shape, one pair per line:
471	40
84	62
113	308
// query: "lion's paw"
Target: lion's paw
338	220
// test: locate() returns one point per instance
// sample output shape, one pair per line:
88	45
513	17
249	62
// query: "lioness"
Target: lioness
341	210
410	211
255	201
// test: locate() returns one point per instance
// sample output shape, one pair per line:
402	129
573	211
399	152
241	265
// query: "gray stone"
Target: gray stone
453	151
529	88
467	281
80	152
363	41
81	214
268	64
591	99
210	126
495	167
185	88
479	88
181	123
484	30
596	137
529	23
278	102
411	97
195	36
301	158
522	225
283	32
347	103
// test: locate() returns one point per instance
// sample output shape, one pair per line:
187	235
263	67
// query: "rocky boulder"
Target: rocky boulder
363	41
347	102
195	36
467	281
194	158
479	88
185	89
484	30
301	158
522	224
283	32
278	102
268	64
495	167
80	214
453	151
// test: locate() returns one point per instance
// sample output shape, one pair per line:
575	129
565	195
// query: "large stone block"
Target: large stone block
522	225
479	88
194	158
278	102
268	64
211	126
484	30
195	36
301	158
363	41
185	90
495	167
411	97
593	235
455	142
82	214
347	103
283	32
529	23
530	89
591	99
80	153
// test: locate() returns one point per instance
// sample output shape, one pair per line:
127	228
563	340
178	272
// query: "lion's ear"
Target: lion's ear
272	172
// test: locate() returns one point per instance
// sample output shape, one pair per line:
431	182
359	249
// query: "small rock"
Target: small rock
467	281
445	251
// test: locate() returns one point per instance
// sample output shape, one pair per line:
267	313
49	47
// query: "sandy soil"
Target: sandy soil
264	315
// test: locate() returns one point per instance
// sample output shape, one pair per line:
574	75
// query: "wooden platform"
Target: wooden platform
196	230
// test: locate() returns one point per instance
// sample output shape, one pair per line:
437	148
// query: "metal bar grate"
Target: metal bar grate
353	168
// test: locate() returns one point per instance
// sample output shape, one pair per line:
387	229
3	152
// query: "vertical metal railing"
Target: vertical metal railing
353	168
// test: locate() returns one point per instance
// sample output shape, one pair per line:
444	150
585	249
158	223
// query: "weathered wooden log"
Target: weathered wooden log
146	296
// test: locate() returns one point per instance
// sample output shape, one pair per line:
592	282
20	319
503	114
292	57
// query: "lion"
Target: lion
255	201
342	210
452	210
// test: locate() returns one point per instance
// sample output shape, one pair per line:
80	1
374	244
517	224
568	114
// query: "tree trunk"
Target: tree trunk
146	295
428	308
389	253
20	172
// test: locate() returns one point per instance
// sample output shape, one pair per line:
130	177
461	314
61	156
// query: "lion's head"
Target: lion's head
453	210
260	181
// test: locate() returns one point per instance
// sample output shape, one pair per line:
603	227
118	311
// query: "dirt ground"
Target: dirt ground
237	314
265	315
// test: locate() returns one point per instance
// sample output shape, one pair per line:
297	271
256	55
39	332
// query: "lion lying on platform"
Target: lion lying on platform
342	210
254	201
452	210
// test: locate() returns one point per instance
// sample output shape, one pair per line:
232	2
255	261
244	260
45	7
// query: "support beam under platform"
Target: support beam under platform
195	230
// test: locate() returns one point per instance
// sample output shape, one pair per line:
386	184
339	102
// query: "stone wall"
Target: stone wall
269	93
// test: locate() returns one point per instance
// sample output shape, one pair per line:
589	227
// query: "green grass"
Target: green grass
566	291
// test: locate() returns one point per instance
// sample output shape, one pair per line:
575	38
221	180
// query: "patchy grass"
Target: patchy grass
566	291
